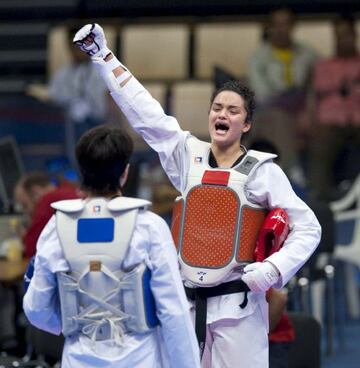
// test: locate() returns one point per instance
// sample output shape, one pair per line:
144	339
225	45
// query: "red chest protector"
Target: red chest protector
214	226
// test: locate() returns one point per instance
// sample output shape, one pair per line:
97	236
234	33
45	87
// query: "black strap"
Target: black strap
200	295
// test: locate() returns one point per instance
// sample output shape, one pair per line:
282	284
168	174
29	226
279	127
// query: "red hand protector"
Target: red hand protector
272	234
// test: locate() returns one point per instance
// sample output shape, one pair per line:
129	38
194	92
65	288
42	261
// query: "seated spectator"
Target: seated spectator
335	109
34	193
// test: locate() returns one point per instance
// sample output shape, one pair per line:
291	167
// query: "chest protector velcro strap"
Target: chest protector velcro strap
219	226
98	298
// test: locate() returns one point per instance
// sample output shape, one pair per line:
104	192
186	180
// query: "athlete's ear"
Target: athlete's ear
124	176
247	126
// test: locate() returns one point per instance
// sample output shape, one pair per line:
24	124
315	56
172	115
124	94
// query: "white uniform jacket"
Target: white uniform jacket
268	186
172	345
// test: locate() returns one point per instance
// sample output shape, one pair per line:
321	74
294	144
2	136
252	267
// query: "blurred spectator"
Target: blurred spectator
335	108
279	73
34	193
80	91
280	65
281	331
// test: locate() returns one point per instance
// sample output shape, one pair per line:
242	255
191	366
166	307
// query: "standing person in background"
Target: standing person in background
79	91
279	73
77	88
113	266
335	113
214	254
34	193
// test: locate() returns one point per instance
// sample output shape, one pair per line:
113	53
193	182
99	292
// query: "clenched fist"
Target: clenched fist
260	276
91	39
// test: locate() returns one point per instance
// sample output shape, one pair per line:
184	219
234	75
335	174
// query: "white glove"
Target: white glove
260	276
91	39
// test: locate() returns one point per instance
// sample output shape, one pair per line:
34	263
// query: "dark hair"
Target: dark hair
34	178
265	145
245	92
283	9
102	154
345	18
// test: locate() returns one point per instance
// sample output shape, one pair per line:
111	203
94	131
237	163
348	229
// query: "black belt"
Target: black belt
200	295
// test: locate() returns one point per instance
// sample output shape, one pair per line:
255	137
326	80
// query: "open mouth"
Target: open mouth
221	128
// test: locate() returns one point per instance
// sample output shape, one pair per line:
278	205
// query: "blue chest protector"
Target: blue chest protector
98	297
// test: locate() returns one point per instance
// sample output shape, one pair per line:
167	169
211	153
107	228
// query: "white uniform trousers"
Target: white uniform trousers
241	343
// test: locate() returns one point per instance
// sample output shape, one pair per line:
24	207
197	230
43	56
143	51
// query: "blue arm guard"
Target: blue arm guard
29	273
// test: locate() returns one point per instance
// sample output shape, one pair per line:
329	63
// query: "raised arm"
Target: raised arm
91	39
145	115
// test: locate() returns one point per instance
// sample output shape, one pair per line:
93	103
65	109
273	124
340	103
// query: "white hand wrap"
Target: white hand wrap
115	63
106	71
91	39
260	276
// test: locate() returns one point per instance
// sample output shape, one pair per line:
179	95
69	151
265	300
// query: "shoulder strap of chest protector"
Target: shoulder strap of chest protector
199	153
252	160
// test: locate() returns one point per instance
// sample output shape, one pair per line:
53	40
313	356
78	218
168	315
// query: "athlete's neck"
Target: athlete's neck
226	156
110	195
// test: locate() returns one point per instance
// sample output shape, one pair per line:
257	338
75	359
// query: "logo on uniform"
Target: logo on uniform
278	217
96	209
198	159
201	275
248	163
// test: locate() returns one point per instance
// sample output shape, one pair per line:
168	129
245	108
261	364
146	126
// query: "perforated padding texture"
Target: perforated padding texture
251	221
176	221
209	226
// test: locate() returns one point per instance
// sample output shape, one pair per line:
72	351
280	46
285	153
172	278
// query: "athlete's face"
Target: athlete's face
227	119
